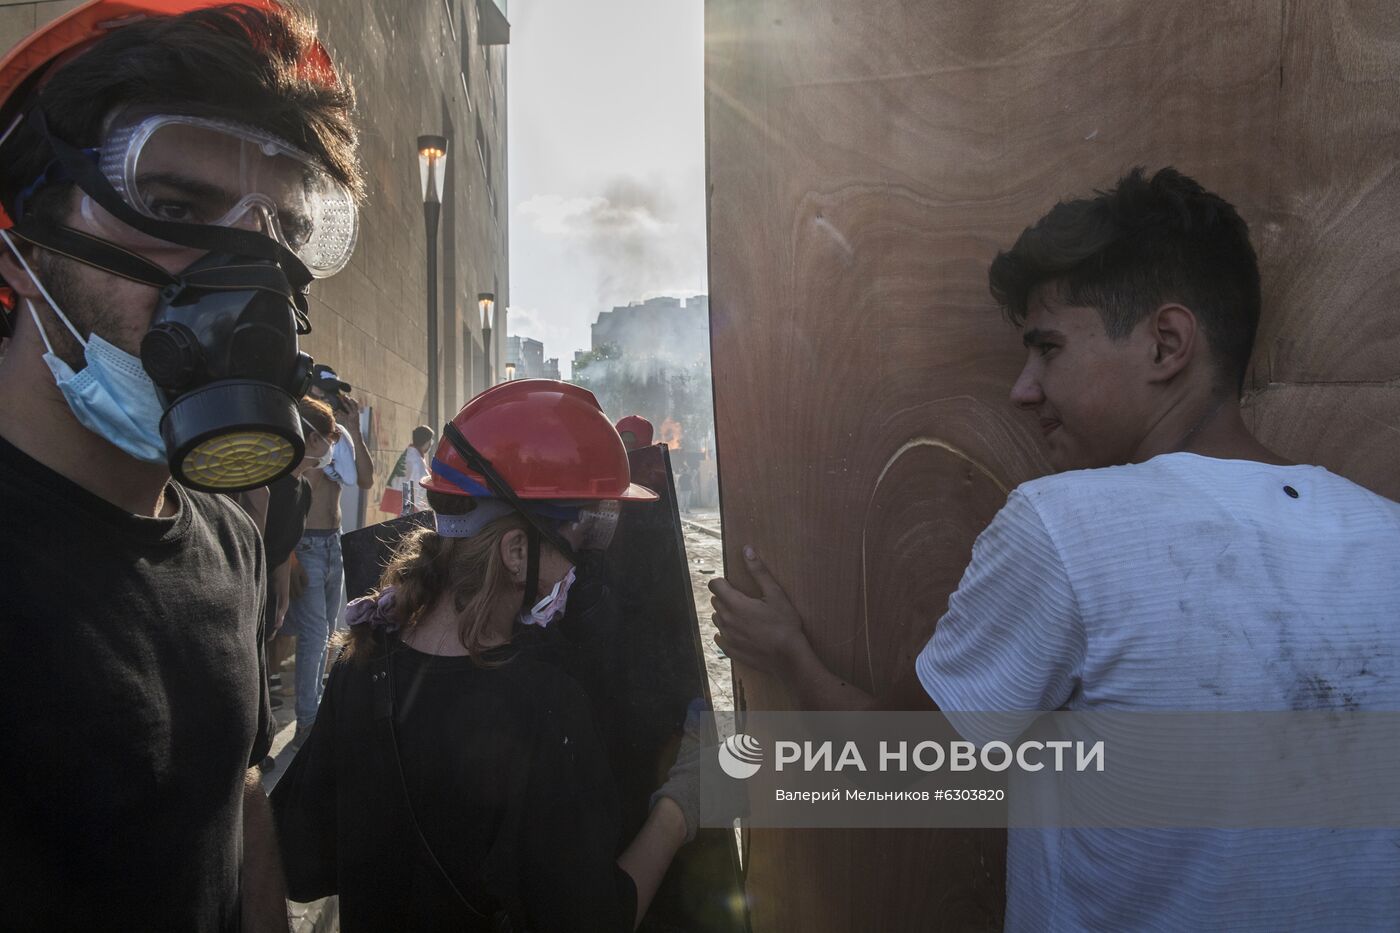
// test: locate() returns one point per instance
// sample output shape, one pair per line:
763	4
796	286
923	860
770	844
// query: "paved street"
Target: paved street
706	556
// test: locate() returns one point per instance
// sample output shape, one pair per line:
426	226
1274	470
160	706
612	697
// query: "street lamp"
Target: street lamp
432	170
510	371
487	302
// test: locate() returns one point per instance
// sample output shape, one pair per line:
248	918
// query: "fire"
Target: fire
671	433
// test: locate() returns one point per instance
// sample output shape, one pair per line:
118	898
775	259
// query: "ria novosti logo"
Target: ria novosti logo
740	756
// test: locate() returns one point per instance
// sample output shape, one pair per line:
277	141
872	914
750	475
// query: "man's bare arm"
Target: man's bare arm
364	466
264	891
281	581
650	854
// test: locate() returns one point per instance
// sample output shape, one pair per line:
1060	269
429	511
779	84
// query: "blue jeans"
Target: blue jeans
311	616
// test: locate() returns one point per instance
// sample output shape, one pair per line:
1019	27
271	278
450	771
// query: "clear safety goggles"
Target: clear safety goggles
595	525
218	172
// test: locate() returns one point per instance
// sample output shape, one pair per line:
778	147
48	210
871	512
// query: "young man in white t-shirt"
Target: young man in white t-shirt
1173	563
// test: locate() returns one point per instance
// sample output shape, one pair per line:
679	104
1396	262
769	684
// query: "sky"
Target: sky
606	160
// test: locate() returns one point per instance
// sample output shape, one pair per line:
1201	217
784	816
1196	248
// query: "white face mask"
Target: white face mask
552	606
111	396
326	458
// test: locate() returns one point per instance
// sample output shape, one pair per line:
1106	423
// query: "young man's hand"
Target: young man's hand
764	633
298	579
352	414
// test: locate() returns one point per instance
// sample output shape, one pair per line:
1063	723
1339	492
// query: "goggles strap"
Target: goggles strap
502	489
92	251
89	178
532	570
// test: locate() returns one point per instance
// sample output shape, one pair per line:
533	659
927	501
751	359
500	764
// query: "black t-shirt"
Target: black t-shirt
288	502
130	706
508	781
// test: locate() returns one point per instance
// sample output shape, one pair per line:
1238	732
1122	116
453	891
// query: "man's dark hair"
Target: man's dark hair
1129	250
422	435
232	62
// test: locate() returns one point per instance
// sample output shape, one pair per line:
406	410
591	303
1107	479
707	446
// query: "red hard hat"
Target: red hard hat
640	427
547	439
24	66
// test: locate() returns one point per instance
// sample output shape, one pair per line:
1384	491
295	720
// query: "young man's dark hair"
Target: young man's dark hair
423	435
1142	244
198	64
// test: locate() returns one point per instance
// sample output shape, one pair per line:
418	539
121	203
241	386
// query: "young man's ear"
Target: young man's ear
1174	332
13	273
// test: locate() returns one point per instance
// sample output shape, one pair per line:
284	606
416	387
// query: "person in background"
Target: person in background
402	492
351	464
636	432
312	614
288	503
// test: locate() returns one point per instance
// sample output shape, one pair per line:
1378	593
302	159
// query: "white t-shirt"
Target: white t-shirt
342	467
414	467
414	470
1183	583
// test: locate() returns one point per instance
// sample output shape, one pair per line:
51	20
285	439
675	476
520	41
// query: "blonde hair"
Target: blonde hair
428	568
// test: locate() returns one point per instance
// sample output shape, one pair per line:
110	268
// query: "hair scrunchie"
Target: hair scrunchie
377	611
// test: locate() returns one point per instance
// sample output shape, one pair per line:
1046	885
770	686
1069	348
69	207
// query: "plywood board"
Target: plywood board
866	161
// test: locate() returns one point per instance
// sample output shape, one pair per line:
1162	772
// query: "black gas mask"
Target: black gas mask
222	347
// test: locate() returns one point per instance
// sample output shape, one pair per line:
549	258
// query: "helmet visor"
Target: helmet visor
217	172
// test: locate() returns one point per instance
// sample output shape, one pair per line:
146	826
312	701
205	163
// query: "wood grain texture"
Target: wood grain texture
866	161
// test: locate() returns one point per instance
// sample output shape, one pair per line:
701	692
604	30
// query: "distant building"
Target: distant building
664	328
528	356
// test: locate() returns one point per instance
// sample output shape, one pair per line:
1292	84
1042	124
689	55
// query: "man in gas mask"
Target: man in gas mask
170	186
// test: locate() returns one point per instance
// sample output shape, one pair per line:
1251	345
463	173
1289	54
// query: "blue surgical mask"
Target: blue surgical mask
112	396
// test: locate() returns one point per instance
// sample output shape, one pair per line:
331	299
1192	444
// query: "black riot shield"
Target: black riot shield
659	646
366	551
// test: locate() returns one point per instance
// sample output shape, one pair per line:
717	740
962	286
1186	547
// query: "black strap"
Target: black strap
382	678
200	236
109	257
501	488
90	179
92	251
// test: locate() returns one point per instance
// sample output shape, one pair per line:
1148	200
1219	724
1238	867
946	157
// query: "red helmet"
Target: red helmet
546	439
640	428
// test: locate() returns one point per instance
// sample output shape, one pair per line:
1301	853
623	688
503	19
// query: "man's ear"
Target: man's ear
13	273
1174	332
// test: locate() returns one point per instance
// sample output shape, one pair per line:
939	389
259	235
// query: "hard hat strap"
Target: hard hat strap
502	489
